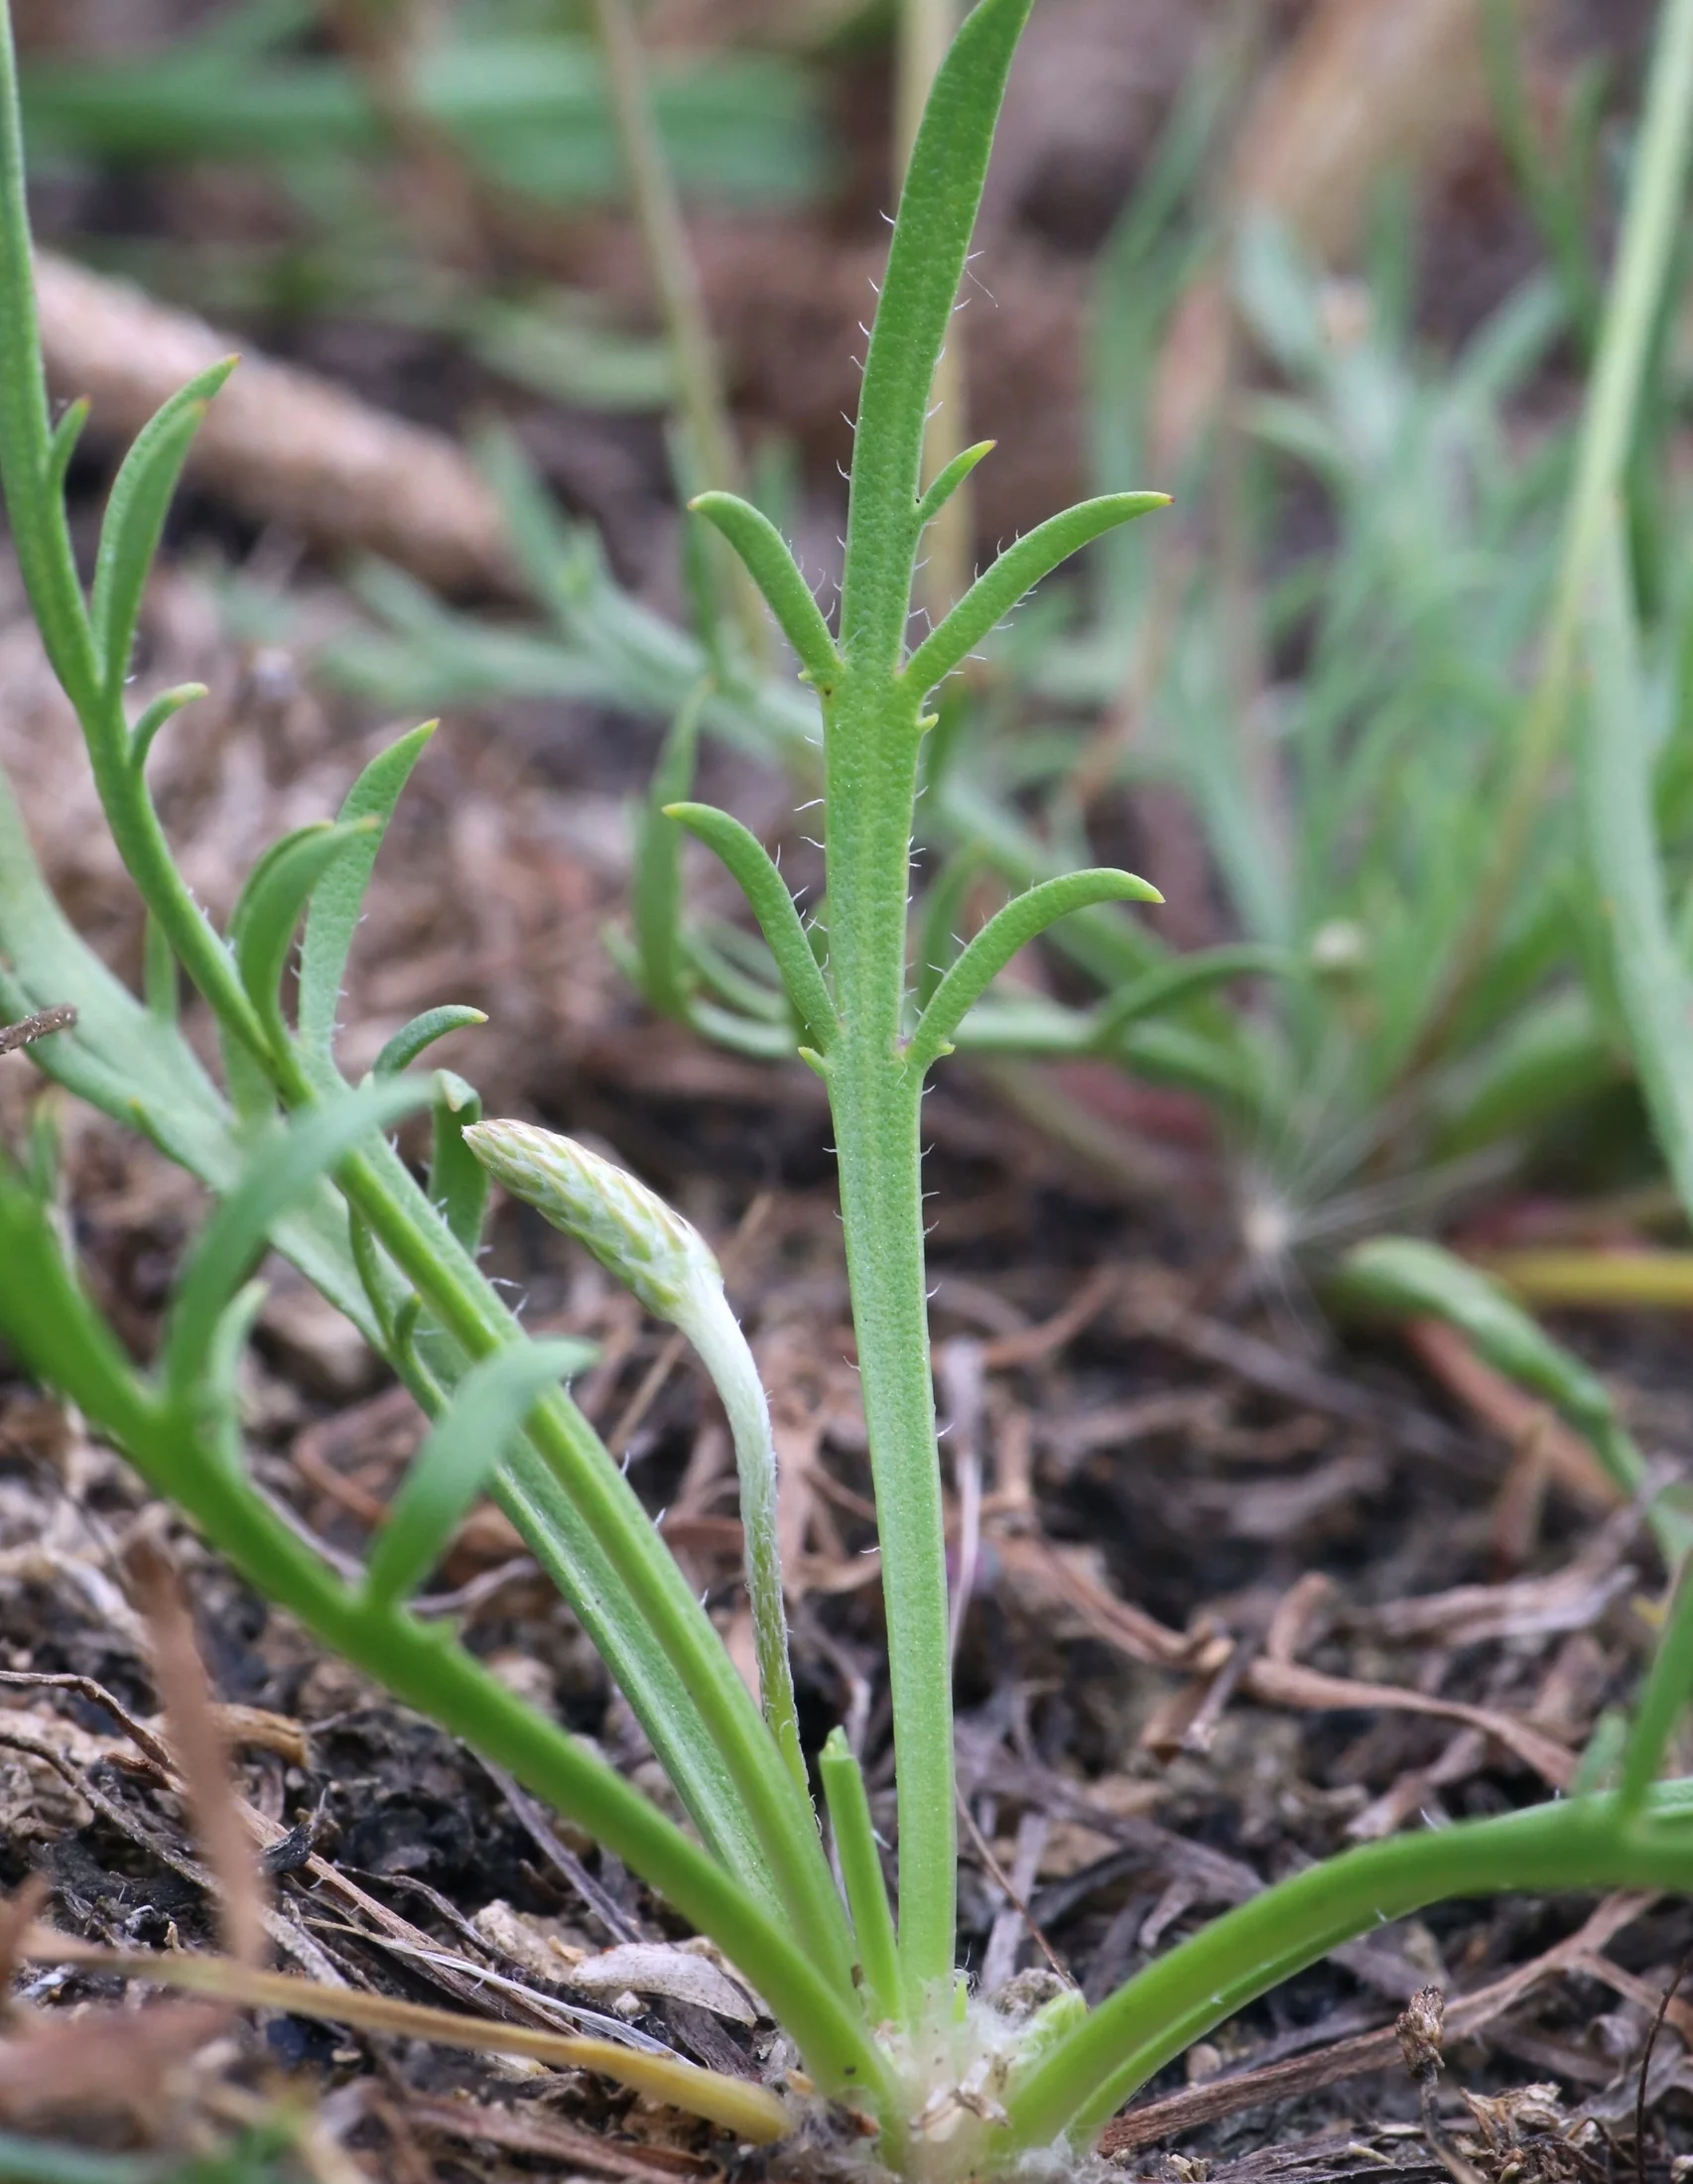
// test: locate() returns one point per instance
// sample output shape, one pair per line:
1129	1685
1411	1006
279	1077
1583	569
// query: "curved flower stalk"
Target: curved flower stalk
668	1266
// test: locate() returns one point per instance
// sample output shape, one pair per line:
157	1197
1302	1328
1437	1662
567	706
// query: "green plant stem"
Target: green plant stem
1654	210
675	281
1575	1844
872	745
861	1876
715	1334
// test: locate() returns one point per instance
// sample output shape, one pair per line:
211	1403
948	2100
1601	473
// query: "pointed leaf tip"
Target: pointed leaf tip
771	564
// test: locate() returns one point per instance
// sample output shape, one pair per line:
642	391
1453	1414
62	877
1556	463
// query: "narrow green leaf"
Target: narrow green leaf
383	1287
1561	1845
1013	1025
1662	1702
862	1878
457	1181
1405	1274
1617	794
281	1172
1409	1278
135	518
660	960
423	1031
62	445
746	983
457	1461
223	1357
931	240
779	920
163	708
947	483
1018	570
1009	930
262	923
1172	983
336	905
777	575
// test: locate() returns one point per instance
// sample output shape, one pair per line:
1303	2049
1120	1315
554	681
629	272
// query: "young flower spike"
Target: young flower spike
670	1269
660	1258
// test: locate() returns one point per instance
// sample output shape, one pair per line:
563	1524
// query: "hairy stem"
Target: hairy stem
872	745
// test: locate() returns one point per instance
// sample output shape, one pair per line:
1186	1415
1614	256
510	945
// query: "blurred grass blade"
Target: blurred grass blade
1409	1278
1173	984
1658	189
338	898
1617	796
456	1462
1661	1702
656	883
39	2161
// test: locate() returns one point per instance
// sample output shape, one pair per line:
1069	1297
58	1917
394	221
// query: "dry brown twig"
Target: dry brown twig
31	1028
281	443
117	2059
200	1746
749	2110
1465	2015
1512	1412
